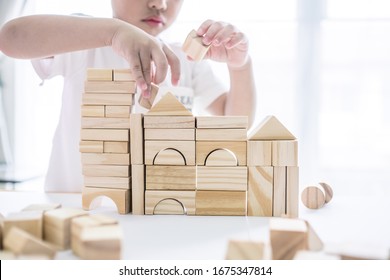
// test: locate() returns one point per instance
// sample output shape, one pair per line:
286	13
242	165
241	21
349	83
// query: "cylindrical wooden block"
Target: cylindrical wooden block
314	197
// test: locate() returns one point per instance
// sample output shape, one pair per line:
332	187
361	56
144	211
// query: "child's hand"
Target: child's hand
148	57
228	44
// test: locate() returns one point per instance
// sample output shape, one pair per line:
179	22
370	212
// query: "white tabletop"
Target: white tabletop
349	219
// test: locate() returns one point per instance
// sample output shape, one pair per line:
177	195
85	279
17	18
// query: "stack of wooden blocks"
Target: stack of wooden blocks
105	136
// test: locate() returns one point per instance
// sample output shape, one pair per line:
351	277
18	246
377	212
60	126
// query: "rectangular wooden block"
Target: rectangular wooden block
186	148
116	147
169	121
106	170
136	139
279	203
182	134
285	153
148	102
92	111
99	74
91	146
292	192
221	203
104	134
110	87
108	99
123	75
108	182
204	148
245	250
41	207
194	47
170	177
222	178
29	221
259	153
138	189
121	197
92	122
170	202
109	159
260	190
220	122
118	111
226	134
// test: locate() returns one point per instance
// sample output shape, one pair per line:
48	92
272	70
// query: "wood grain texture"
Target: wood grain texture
220	122
99	74
138	189
292	192
169	157
29	221
186	148
185	198
92	111
260	190
121	198
221	203
91	146
136	139
226	134
104	134
102	170
259	153
313	197
169	121
108	99
285	153
92	122
116	147
125	87
147	103
169	106
245	250
279	196
107	159
222	178
221	157
204	148
107	182
194	47
270	129
170	177
181	134
118	111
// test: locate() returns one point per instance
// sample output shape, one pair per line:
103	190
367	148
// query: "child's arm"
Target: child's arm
229	45
47	35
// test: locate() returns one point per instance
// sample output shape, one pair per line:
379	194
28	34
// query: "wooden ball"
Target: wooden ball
328	192
313	197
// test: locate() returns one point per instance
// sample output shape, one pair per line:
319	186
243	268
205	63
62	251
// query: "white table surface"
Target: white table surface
349	219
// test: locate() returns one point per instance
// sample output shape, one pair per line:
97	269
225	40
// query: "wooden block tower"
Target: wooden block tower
105	136
273	170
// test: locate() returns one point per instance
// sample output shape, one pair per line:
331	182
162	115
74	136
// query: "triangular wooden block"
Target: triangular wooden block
169	106
271	129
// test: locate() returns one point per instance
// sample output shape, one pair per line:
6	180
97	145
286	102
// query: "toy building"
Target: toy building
171	162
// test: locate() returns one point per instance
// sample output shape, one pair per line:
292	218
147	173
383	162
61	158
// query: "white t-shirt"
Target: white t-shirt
197	89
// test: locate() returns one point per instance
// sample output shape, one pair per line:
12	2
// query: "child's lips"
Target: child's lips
154	21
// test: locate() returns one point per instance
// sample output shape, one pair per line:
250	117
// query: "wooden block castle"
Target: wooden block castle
171	162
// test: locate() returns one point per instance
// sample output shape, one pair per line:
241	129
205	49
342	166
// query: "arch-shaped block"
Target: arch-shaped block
184	198
169	156
169	206
186	148
221	157
121	198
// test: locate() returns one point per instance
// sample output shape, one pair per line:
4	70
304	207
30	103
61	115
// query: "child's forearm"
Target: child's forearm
46	35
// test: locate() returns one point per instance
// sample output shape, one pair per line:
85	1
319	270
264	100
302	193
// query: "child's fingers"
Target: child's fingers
174	63
204	27
211	32
238	38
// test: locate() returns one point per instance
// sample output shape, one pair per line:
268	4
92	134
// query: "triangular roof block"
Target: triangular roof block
271	129
169	106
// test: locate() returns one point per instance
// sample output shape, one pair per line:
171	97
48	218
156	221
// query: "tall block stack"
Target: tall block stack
273	170
105	136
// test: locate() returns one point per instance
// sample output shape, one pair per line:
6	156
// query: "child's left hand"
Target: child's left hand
228	44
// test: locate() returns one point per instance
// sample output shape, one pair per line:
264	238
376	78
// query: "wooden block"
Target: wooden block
182	134
171	201
107	159
245	250
21	242
42	207
208	134
169	157
220	122
221	203
108	182
259	153
56	225
101	243
169	106
136	139
123	75
292	192
222	178
285	153
221	157
104	134
81	223
116	147
92	122
348	250
92	111
102	170
112	111
29	221
169	121
279	203
170	177
260	190
121	198
270	129
98	74
185	148
314	242
194	47
287	236
148	102
327	191
110	87
108	99
313	197
204	148
138	189
91	146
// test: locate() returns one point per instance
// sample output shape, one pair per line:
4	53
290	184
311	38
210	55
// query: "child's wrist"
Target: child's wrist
246	65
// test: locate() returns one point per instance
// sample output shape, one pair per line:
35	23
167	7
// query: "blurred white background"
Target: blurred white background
321	66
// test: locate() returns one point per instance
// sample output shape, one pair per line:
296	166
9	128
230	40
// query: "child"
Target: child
68	45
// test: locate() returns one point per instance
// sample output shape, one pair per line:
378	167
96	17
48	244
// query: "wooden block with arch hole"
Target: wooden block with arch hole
121	198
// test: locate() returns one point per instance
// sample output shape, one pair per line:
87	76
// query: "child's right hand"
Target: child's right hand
148	57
